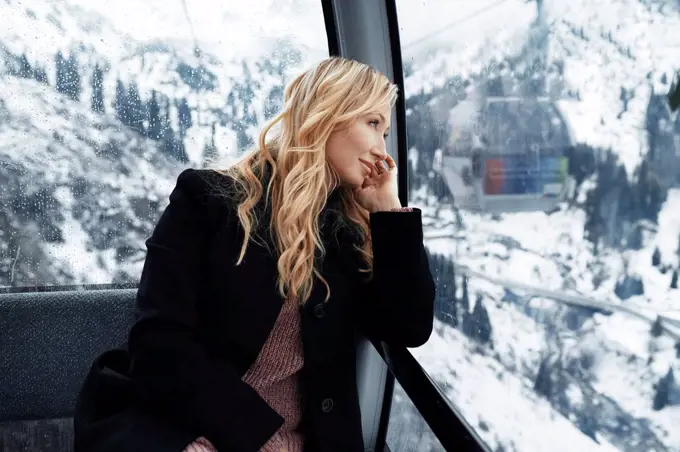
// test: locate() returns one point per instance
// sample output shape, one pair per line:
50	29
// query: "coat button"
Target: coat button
319	311
327	405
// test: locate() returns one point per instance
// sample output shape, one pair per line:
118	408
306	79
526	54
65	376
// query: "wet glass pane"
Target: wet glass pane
104	103
407	430
546	160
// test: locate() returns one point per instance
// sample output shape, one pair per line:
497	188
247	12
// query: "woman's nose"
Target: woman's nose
379	152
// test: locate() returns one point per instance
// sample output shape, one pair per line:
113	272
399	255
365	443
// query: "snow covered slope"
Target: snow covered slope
82	190
153	45
80	193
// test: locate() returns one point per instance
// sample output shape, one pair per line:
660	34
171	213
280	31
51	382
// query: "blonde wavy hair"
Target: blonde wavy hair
325	98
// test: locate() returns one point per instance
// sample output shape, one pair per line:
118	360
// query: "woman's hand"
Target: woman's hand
379	191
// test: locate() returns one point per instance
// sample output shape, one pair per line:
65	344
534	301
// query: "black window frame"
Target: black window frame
444	419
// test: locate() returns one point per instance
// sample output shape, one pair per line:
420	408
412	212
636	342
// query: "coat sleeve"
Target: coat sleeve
398	305
172	373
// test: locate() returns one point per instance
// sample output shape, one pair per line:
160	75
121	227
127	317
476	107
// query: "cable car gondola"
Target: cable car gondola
507	154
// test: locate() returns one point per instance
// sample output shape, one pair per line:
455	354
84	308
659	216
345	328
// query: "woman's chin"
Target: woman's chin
353	182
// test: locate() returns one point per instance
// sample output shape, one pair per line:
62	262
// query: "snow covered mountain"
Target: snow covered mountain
177	65
75	183
102	104
90	111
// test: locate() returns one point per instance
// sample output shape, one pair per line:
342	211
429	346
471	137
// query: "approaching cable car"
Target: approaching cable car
506	154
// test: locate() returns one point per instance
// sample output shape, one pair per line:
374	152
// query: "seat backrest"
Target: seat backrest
48	341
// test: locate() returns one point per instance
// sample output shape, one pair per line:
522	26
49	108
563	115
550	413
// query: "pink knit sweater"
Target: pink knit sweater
274	376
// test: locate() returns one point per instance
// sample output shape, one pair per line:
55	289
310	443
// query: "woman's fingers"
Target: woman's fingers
391	164
368	182
200	445
385	164
379	167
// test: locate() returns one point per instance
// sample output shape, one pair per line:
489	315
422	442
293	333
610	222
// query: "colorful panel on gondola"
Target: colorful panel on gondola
525	175
551	179
493	177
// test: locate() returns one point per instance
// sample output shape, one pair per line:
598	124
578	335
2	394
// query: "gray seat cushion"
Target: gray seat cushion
48	341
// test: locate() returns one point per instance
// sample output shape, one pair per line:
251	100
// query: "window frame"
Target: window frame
364	38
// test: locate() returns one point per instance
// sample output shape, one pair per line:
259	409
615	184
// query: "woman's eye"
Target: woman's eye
386	135
374	123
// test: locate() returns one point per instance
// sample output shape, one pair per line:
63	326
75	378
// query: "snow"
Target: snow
487	393
79	156
145	41
550	252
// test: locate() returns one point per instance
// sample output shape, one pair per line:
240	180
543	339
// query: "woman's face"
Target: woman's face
352	150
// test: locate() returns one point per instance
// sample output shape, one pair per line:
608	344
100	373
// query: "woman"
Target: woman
256	280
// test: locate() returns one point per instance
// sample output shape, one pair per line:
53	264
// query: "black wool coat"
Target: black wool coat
202	321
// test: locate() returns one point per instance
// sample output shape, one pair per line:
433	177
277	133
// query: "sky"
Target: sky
237	24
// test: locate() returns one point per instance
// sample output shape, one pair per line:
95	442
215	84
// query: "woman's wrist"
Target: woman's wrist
387	206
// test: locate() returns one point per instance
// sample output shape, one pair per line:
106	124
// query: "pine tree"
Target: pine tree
210	154
663	390
469	325
243	140
657	328
72	83
135	110
120	103
465	300
480	328
593	228
184	117
439	299
180	151
153	116
635	238
587	419
274	102
454	284
40	74
245	91
25	69
171	142
543	383
61	73
674	279
656	257
97	101
446	290
231	103
165	121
